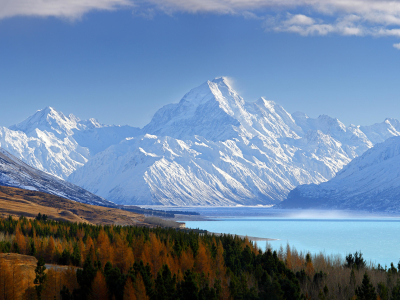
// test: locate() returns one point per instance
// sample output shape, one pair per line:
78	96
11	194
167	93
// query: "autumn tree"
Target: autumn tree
202	261
99	289
129	290
140	288
123	254
104	249
50	250
5	280
20	241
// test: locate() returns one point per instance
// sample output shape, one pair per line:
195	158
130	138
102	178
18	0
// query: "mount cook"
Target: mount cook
211	148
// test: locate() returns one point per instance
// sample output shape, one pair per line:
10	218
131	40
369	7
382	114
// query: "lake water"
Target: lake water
377	237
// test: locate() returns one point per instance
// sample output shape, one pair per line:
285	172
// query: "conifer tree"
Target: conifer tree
40	278
366	291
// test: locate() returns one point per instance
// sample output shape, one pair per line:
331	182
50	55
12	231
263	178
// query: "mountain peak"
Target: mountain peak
222	81
48	119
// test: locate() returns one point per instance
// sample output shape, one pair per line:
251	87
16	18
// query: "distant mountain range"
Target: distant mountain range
211	148
369	182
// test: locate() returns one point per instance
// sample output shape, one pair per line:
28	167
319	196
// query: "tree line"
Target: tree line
128	262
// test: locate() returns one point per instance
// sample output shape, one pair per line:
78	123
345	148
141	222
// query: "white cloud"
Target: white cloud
70	9
397	46
304	25
343	17
299	20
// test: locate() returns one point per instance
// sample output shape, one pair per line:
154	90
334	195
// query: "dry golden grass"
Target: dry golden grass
17	202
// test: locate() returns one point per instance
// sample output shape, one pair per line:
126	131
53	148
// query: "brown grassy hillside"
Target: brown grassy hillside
16	202
17	274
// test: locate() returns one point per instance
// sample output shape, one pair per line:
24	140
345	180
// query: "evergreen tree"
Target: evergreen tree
40	277
366	291
188	288
396	291
65	294
85	277
383	291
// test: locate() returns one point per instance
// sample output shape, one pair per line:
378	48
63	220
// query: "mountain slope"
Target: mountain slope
214	148
369	182
15	173
17	202
58	144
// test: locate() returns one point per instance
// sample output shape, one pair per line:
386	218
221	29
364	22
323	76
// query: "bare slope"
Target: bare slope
15	201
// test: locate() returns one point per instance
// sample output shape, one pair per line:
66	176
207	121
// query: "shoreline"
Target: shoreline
251	238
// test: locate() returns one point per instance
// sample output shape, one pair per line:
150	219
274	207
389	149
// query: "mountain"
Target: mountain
214	148
59	144
15	173
210	148
369	182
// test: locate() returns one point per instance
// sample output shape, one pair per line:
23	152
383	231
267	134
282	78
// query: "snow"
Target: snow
369	182
51	142
15	173
214	148
210	148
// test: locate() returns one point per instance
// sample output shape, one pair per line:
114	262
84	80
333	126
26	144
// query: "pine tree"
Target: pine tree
366	291
40	278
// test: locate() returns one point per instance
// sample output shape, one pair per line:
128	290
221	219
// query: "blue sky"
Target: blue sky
119	61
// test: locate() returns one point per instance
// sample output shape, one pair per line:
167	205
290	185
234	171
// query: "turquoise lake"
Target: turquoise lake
377	238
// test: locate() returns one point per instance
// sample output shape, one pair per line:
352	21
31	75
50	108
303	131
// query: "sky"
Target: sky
119	61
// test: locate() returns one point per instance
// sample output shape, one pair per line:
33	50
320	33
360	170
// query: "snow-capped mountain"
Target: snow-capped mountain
214	148
369	182
57	144
15	173
210	148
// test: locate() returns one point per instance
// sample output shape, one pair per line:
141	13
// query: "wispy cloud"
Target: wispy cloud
397	46
70	9
304	25
318	17
343	17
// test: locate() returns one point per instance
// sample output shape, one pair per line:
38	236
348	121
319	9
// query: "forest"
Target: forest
82	261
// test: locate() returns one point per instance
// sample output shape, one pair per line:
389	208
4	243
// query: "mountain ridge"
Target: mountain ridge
15	173
210	148
214	148
369	182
